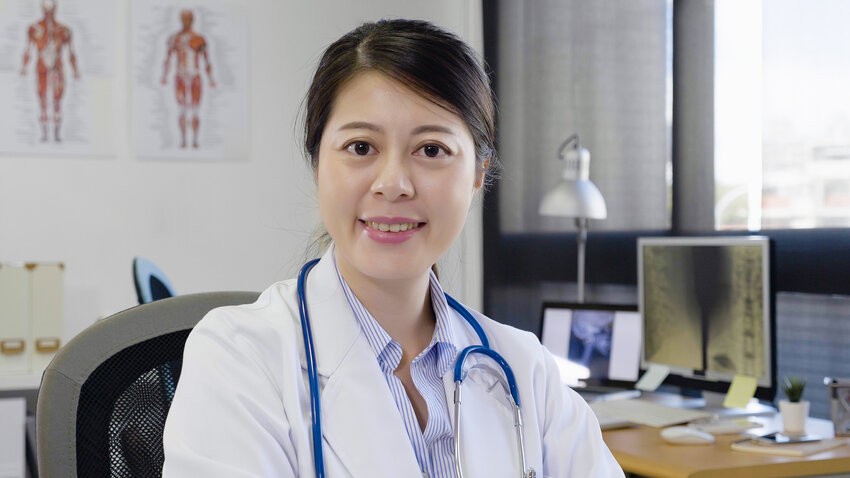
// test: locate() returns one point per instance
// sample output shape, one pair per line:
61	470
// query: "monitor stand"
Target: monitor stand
713	400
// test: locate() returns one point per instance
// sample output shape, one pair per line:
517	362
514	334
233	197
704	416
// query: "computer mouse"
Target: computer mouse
686	436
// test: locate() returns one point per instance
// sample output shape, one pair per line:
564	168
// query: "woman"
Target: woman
399	131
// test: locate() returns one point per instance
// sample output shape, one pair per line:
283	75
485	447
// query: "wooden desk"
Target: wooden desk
641	450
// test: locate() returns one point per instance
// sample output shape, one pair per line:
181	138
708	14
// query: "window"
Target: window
781	114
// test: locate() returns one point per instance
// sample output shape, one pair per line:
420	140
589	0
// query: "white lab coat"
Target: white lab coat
242	407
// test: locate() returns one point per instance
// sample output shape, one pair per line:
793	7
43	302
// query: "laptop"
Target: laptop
600	341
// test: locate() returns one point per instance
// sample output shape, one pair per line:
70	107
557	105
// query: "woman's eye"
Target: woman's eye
360	148
432	151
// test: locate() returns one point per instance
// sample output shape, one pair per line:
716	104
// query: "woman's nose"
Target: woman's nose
392	179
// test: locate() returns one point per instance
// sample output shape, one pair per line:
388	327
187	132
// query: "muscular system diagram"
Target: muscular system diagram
190	50
49	40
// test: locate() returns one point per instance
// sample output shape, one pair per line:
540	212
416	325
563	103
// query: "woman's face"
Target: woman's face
396	177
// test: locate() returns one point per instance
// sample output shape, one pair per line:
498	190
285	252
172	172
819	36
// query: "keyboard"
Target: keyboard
597	395
644	412
611	423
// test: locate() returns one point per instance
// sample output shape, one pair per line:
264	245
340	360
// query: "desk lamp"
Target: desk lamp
575	196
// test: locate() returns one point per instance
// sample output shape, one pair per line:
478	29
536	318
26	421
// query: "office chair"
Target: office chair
105	396
151	283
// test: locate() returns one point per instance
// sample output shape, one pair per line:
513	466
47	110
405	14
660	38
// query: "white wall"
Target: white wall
211	226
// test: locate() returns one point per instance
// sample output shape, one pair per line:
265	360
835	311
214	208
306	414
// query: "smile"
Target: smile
378	226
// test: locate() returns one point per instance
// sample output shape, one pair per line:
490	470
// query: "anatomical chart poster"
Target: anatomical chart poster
57	81
190	80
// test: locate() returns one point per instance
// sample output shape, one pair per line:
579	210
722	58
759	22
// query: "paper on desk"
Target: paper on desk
795	449
653	377
741	391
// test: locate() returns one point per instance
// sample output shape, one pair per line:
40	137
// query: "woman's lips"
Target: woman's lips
391	230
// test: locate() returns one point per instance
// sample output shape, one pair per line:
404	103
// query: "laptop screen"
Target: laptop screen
604	338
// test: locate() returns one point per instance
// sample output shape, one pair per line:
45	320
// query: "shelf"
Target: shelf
19	382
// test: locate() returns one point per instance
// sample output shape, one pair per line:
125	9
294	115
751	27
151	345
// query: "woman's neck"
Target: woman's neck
402	307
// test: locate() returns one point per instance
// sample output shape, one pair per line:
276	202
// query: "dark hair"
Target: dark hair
429	60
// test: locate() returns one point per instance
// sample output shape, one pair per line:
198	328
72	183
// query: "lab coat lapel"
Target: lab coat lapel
360	420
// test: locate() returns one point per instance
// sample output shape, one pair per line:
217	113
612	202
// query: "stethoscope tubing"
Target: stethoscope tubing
312	374
483	350
460	309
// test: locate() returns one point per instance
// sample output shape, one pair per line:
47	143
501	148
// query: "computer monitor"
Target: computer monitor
708	310
603	338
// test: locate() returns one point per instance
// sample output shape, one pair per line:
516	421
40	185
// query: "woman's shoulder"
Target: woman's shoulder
275	312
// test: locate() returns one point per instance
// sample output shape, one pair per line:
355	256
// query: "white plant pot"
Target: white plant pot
794	416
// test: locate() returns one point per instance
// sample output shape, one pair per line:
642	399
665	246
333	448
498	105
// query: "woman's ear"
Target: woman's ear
481	173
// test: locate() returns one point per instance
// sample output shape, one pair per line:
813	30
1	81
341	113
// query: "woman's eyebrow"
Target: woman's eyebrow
361	125
432	128
426	128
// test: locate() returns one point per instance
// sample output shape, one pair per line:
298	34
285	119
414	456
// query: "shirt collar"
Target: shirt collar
387	350
443	332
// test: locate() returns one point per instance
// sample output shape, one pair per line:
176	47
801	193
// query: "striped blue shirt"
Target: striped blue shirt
434	448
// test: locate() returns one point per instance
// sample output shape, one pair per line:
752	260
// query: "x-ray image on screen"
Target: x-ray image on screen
703	308
673	333
590	340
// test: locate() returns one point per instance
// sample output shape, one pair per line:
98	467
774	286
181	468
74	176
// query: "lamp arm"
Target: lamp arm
572	138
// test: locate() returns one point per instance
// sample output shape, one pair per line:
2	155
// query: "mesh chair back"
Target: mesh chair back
105	396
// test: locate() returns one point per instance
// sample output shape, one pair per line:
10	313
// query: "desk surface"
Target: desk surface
641	450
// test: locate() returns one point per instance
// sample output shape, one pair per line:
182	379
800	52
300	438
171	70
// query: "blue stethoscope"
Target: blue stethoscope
459	375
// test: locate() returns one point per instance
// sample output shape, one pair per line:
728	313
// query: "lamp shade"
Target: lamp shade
575	195
578	198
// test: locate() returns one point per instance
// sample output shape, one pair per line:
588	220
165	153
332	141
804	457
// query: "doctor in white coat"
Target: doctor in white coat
399	131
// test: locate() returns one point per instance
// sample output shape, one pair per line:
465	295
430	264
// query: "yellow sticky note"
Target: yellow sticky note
743	389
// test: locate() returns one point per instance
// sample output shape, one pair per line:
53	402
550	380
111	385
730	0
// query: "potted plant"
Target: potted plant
794	410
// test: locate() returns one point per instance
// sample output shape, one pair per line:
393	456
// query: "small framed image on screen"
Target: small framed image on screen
604	338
